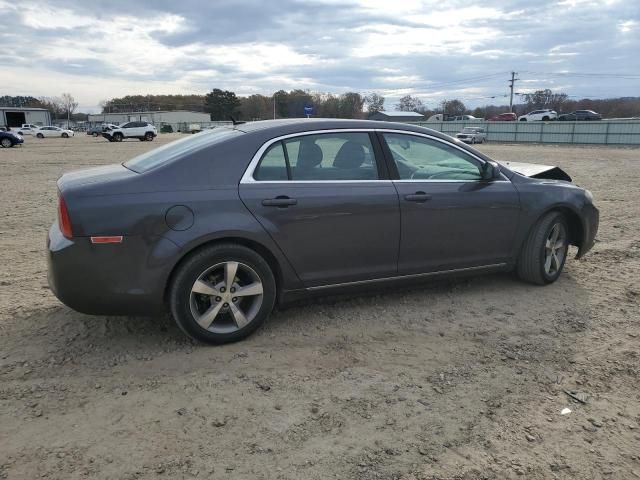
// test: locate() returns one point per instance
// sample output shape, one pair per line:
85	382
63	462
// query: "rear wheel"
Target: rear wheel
545	251
118	137
6	143
222	293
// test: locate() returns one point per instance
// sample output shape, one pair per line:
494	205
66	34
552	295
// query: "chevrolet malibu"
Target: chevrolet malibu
220	227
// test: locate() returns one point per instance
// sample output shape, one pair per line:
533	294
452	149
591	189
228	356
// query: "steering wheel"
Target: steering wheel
440	174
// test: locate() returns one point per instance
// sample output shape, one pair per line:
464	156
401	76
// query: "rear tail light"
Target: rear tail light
63	218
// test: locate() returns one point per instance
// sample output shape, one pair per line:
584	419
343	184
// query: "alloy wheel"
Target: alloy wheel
555	249
6	143
226	297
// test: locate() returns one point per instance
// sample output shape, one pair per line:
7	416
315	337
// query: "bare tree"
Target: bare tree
409	104
545	99
69	105
374	102
453	107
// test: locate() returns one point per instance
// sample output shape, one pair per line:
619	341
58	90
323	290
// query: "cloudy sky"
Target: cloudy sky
433	49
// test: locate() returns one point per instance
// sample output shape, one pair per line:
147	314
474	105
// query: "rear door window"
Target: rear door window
323	157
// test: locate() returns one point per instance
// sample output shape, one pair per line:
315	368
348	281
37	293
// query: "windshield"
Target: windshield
469	130
167	153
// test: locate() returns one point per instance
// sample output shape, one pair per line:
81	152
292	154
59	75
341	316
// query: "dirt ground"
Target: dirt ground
456	380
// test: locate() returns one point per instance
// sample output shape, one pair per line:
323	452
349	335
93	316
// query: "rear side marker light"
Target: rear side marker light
111	239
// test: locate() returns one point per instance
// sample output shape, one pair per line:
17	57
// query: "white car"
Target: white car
26	129
50	131
472	135
140	130
539	116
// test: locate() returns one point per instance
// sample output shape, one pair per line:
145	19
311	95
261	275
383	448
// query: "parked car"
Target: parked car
50	131
26	129
461	118
580	115
141	130
10	139
472	135
503	117
219	227
539	115
97	130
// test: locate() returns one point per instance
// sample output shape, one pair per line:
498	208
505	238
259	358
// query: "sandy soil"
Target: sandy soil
465	379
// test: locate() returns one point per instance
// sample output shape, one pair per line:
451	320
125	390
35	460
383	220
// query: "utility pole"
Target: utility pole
511	84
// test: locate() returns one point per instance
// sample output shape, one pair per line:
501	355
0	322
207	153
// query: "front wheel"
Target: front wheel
95	134
545	251
65	135
148	137
6	143
222	293
39	135
118	137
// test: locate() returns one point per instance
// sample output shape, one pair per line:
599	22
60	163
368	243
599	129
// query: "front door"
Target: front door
325	201
451	218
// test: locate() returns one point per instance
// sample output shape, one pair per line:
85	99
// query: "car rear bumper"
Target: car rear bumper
109	279
590	223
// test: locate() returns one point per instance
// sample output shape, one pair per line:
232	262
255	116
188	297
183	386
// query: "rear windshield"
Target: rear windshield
167	153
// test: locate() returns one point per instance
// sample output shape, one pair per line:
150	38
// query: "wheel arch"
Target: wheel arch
574	222
254	245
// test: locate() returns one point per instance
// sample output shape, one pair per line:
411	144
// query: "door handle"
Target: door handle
419	197
282	202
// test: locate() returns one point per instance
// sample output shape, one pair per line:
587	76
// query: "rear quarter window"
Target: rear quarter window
174	150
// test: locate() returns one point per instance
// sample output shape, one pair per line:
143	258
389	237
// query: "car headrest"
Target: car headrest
350	155
309	156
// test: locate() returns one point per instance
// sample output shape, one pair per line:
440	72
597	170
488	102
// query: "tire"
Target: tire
39	135
65	135
141	139
118	137
545	119
148	137
6	143
473	140
210	264
532	264
523	119
95	134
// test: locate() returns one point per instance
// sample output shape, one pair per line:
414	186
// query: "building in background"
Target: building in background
17	116
397	116
178	119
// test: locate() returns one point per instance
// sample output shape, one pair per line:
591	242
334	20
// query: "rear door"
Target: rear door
326	200
451	218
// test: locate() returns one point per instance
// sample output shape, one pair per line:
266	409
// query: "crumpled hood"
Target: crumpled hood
534	170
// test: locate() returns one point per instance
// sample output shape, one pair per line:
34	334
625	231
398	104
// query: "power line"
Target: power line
622	76
465	80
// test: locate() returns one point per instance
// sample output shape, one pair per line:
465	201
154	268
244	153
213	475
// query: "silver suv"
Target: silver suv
141	130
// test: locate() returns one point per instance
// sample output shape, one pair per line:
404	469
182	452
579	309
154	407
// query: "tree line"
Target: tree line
223	104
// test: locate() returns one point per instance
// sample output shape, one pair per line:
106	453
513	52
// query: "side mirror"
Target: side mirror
490	171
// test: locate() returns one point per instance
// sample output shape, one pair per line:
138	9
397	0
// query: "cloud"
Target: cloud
432	49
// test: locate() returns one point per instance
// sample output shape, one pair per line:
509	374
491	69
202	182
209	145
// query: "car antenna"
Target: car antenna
235	122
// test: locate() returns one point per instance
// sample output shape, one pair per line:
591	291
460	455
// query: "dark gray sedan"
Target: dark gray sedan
219	227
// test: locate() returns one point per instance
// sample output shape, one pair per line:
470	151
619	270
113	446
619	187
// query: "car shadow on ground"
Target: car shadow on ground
73	337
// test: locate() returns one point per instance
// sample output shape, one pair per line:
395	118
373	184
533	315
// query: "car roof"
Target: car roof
299	125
